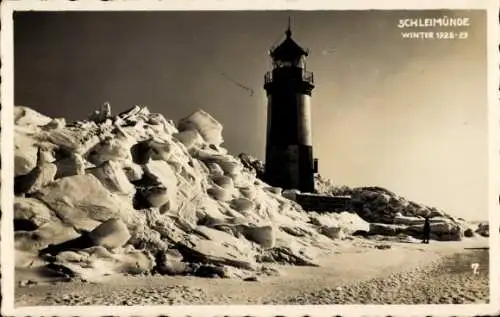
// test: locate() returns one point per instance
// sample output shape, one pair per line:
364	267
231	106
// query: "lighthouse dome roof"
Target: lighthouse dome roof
288	49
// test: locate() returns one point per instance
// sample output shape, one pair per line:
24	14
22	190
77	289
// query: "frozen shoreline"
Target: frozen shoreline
404	274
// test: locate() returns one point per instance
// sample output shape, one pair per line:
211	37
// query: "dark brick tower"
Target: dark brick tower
289	153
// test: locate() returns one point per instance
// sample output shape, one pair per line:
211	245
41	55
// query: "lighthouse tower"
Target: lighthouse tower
289	153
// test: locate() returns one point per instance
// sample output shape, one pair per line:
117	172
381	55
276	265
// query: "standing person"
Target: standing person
427	230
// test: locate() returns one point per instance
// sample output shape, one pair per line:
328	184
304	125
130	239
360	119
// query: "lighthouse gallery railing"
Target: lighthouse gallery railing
306	76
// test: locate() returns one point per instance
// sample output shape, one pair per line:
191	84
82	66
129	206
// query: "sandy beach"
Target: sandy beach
438	273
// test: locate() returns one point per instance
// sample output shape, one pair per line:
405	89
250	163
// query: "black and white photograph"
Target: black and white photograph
291	156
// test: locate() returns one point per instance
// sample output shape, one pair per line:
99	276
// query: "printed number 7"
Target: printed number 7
474	267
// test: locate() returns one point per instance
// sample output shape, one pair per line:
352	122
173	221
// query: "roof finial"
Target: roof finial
289	29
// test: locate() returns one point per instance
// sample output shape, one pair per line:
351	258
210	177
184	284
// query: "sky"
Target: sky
406	114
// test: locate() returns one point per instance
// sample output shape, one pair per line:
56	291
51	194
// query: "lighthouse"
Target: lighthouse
289	151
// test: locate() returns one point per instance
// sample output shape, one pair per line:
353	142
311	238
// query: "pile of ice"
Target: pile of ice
135	193
390	214
385	213
483	229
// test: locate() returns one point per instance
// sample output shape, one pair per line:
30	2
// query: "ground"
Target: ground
405	273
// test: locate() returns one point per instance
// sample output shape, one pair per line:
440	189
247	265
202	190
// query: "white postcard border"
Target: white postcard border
7	147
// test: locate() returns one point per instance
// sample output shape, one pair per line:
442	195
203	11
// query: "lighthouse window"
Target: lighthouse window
302	62
283	64
295	63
